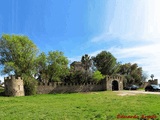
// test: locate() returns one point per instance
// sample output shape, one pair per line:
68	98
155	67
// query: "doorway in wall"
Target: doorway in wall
115	85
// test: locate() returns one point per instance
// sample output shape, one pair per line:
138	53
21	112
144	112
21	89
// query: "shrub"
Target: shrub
30	85
97	76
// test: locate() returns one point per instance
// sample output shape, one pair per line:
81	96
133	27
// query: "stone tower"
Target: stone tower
13	86
77	66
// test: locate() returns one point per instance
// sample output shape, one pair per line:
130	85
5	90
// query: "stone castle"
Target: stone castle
14	86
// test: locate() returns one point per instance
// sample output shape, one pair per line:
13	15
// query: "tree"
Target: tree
57	65
51	67
17	55
152	76
86	63
105	62
30	84
42	68
131	72
77	76
97	76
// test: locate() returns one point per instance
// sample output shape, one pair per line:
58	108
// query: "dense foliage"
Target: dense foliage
30	85
52	67
17	55
105	62
132	73
97	76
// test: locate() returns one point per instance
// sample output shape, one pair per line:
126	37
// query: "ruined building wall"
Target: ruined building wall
13	86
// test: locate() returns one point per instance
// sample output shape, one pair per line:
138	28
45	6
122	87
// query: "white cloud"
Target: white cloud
95	53
135	22
145	51
78	58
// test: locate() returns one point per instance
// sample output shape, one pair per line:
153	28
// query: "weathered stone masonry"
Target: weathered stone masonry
59	87
14	86
111	83
114	82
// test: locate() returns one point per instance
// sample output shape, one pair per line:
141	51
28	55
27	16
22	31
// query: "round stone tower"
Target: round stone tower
13	86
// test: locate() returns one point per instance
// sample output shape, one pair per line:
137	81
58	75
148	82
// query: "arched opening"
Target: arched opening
115	85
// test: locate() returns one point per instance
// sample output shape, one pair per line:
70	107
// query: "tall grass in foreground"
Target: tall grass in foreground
78	106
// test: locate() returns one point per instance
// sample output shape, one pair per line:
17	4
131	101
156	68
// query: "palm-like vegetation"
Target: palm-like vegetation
86	63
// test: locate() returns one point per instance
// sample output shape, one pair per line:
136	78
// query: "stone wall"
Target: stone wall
155	81
59	87
13	86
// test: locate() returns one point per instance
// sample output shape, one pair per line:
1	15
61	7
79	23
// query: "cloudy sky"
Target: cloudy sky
129	29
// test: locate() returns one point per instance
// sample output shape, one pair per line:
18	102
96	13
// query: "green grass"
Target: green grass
78	106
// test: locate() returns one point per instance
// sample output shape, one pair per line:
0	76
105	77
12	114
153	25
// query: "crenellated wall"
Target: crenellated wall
13	86
59	87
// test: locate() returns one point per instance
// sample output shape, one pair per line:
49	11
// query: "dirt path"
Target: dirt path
134	92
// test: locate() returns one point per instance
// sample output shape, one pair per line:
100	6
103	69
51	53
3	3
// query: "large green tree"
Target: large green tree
42	67
52	67
132	73
105	62
57	65
17	55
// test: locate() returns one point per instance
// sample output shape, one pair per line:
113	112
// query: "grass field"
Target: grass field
78	106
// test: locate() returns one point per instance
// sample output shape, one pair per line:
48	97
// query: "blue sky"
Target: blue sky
129	29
